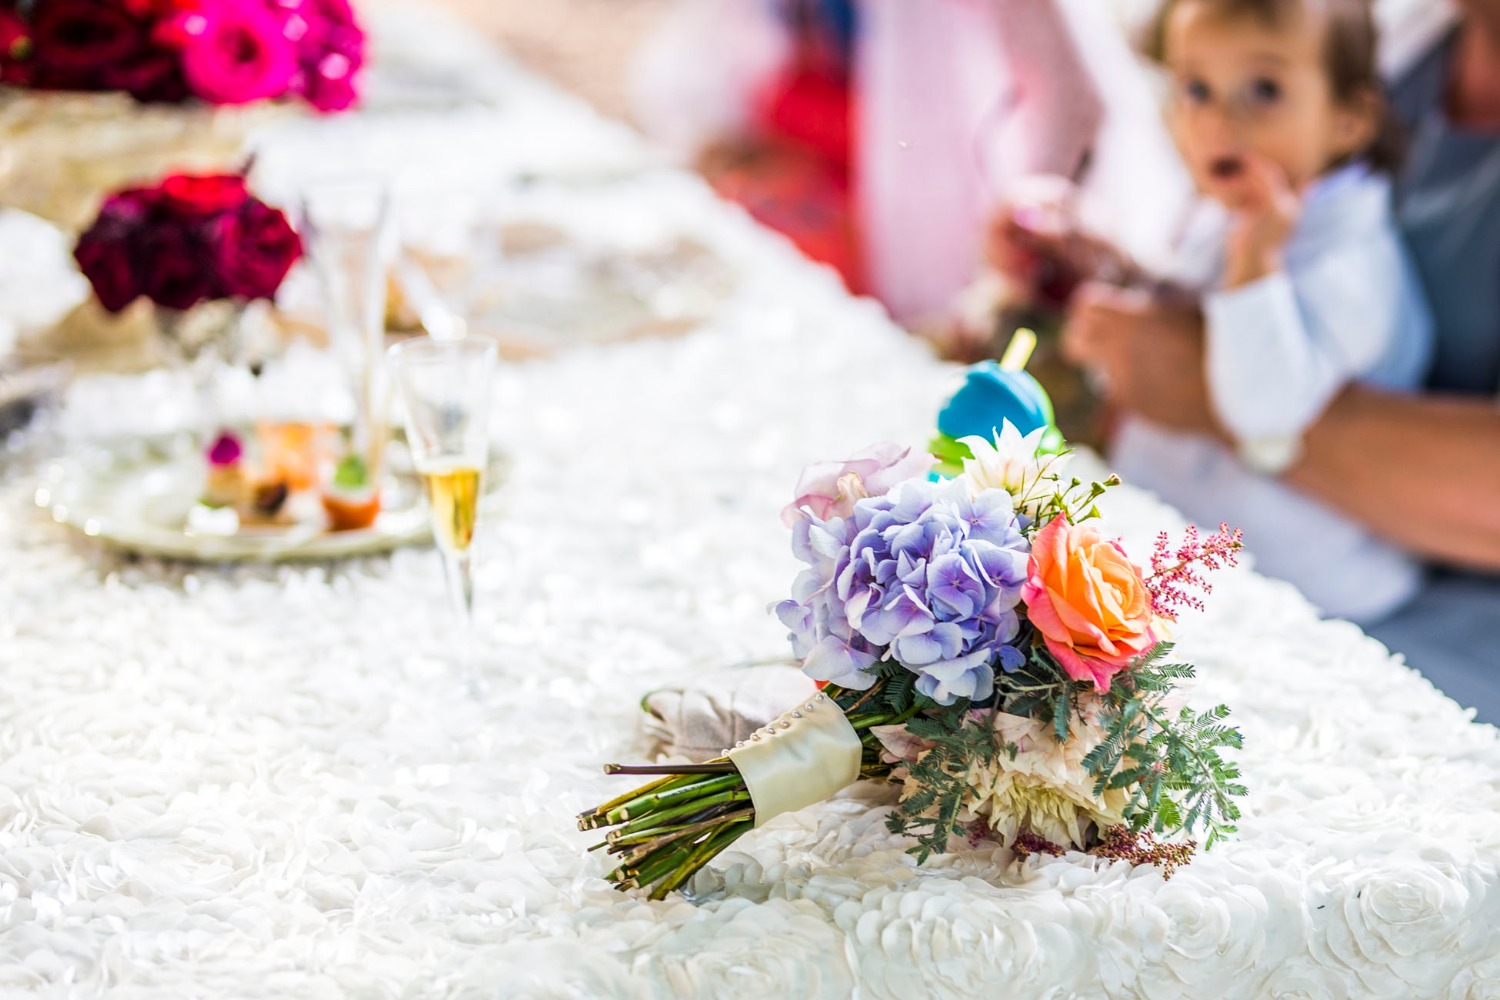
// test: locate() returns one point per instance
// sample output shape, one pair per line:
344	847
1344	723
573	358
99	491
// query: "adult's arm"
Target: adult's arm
1422	471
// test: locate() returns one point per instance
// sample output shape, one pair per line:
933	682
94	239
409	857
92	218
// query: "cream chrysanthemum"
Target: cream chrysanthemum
1045	790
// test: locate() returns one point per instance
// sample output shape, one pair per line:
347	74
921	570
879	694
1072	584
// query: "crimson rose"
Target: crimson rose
204	194
74	41
107	265
15	48
257	248
189	240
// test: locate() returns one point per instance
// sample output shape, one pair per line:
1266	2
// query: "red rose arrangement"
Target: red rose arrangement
169	51
190	239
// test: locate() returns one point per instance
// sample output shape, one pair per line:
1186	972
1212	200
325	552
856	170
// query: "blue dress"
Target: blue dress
1448	207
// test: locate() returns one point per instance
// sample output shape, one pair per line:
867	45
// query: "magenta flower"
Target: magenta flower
235	53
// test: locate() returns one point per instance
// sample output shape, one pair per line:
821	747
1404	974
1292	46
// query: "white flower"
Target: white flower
1045	789
1011	463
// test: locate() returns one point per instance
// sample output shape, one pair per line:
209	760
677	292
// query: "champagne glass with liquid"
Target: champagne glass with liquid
445	388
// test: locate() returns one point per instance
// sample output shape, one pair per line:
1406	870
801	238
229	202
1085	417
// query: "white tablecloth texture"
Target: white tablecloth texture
260	781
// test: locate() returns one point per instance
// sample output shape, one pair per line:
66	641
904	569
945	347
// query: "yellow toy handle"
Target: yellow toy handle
1018	351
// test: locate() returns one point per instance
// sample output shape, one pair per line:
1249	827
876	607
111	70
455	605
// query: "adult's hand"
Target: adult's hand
1148	350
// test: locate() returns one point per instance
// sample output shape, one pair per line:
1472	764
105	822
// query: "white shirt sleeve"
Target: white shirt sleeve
1279	348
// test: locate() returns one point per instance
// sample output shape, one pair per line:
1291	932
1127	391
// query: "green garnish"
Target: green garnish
351	473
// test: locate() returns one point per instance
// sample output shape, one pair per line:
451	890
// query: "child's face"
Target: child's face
1244	87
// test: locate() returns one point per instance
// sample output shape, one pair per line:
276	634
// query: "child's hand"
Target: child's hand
1032	222
1263	221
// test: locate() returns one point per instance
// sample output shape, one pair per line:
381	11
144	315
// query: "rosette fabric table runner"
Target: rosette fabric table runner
265	782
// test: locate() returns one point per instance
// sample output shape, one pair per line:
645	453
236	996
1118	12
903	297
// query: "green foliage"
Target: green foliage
1172	764
1074	502
900	690
1038	689
931	815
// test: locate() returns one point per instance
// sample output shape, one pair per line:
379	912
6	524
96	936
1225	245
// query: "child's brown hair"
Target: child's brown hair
1349	57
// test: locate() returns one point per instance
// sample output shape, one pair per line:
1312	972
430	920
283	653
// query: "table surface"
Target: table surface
266	781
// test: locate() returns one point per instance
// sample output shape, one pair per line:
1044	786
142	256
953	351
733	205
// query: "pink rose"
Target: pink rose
1088	600
830	489
331	85
330	52
234	53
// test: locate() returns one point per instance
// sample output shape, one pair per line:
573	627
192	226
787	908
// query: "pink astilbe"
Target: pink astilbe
1177	574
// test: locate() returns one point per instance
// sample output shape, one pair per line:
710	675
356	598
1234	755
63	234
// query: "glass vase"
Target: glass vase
203	341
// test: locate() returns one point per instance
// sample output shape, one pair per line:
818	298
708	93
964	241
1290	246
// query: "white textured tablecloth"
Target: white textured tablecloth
263	782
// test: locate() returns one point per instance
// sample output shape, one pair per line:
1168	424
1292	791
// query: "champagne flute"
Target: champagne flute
348	225
445	388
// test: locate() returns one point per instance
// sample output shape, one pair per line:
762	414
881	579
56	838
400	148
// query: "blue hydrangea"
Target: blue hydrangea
926	576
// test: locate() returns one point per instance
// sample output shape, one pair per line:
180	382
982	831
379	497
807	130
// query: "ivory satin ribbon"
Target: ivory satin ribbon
803	757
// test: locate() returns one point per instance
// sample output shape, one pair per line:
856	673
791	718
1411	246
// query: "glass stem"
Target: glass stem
460	571
205	371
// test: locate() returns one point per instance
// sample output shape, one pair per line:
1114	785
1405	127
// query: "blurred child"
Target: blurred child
1277	110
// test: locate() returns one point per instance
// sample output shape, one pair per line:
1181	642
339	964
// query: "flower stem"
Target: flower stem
667	830
659	804
702	856
709	767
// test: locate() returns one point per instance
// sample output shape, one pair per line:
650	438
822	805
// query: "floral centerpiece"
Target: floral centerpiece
194	250
98	94
188	240
981	642
175	51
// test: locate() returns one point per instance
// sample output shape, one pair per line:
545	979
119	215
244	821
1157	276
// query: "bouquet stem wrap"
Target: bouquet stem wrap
801	758
667	830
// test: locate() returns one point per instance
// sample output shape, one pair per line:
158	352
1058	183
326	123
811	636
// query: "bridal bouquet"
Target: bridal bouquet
981	643
170	51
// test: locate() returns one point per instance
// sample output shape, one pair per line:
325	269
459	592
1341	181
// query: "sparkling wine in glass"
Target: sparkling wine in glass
445	388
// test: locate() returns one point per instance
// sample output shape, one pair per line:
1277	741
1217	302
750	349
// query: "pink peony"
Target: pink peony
830	489
1088	600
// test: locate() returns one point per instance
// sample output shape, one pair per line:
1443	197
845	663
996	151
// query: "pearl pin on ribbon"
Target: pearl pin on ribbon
801	758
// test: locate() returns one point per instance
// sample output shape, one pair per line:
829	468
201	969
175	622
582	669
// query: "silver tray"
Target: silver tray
141	501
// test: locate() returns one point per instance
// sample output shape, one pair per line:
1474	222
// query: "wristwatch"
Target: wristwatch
1270	456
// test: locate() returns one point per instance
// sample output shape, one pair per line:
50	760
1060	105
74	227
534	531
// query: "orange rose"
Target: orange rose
1088	600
